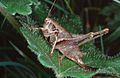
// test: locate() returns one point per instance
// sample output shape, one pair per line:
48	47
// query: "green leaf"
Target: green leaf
117	1
40	47
93	56
18	6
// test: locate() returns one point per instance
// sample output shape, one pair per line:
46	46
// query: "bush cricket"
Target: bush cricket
68	43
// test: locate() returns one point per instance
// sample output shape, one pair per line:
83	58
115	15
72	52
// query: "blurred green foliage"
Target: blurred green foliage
112	13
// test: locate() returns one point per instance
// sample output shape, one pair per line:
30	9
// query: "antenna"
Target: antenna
51	8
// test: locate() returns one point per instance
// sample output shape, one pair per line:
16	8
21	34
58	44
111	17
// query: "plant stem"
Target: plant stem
57	6
101	42
69	7
3	22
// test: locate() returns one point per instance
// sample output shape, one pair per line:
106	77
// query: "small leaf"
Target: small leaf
18	6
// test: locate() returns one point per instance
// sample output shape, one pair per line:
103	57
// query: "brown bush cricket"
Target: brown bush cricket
68	43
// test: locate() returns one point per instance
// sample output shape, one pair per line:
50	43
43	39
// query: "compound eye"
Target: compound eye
47	22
